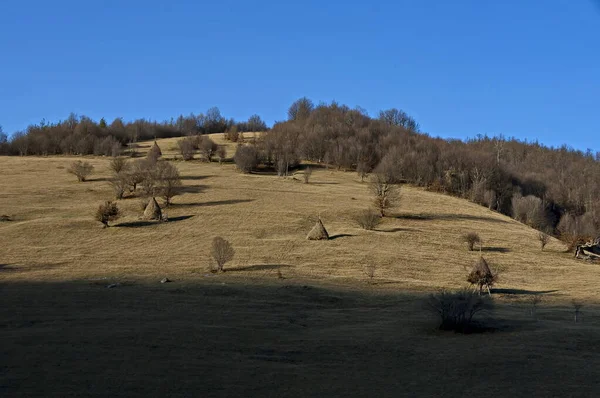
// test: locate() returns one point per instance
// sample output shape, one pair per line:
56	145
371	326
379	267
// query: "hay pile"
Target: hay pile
318	232
152	211
482	276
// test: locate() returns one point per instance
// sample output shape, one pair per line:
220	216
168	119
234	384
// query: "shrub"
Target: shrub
544	239
482	276
207	148
119	184
246	158
368	219
119	165
369	271
221	153
386	194
456	310
107	212
471	239
137	173
186	148
576	230
307	174
232	134
221	252
82	170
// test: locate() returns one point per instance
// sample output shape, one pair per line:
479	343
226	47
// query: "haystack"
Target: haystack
152	211
318	232
482	276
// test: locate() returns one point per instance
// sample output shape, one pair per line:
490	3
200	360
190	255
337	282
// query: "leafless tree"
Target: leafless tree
107	212
221	252
82	170
386	194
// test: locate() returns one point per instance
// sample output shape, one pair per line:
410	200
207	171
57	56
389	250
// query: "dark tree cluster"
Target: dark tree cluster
84	136
535	184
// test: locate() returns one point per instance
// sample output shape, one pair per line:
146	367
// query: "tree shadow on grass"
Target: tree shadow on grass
333	237
213	203
185	178
146	223
399	230
495	249
193	188
522	291
446	217
258	267
99	179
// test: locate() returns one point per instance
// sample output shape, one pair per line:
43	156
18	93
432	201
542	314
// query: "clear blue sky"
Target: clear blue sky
525	68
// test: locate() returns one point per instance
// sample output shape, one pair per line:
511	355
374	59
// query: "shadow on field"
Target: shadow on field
324	183
259	267
144	223
213	203
522	291
195	178
446	217
99	179
334	237
399	229
273	338
193	188
495	249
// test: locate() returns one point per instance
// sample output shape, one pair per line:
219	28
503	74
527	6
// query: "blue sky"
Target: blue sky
529	69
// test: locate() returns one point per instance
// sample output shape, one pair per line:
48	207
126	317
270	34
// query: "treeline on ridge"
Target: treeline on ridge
83	136
556	190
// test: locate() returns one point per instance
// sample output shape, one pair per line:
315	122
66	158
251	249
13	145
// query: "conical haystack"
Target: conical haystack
318	232
152	211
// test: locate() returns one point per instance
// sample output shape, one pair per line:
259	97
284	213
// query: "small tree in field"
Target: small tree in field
119	165
107	212
544	239
368	219
246	158
471	239
167	181
386	194
307	174
222	252
186	148
82	170
207	148
221	153
456	310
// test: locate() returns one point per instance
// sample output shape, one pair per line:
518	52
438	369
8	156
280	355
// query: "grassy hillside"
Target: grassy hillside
322	329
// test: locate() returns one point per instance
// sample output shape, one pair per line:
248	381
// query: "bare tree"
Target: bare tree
246	158
307	173
207	148
222	252
107	212
544	239
386	194
186	148
471	238
577	309
82	170
119	184
168	181
369	271
119	165
221	153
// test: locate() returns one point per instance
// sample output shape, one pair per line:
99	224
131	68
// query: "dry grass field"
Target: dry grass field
290	317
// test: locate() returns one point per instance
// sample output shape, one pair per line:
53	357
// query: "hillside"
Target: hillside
56	261
53	235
